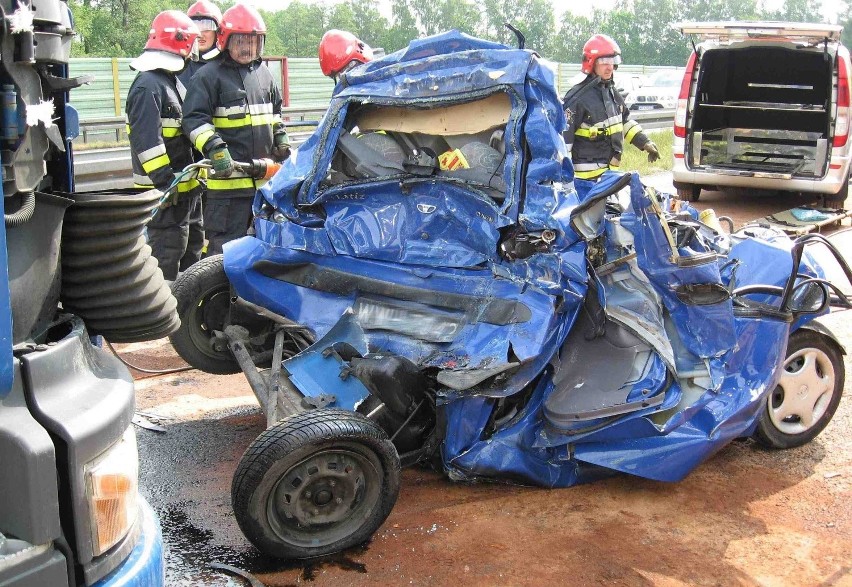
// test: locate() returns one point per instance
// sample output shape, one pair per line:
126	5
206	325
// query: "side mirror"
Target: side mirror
810	297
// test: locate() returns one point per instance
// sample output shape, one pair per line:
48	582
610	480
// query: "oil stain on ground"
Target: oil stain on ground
190	550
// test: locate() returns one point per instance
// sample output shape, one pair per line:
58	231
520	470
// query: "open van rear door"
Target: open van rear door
809	33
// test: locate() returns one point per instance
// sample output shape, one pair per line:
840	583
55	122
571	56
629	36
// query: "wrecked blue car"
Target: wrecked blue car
427	282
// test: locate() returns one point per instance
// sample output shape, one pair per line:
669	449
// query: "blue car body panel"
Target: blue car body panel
6	369
144	567
319	249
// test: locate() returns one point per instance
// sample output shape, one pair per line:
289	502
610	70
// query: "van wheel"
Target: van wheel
315	483
807	394
838	198
689	192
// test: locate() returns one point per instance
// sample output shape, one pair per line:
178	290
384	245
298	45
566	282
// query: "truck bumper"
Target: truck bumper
145	567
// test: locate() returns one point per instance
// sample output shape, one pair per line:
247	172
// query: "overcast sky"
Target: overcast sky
831	8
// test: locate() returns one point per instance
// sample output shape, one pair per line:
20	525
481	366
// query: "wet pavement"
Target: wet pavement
747	516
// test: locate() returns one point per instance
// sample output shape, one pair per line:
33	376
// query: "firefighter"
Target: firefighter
340	51
598	120
233	113
207	17
159	150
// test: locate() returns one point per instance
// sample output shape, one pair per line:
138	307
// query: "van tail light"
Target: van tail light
841	125
683	99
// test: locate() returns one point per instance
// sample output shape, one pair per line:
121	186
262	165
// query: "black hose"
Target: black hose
151	371
110	278
24	214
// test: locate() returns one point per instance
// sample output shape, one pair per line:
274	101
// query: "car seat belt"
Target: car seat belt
419	160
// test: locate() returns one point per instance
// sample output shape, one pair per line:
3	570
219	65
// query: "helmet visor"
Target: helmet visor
206	24
609	60
245	48
193	51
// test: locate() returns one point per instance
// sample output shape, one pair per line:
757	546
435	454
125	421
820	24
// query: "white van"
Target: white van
764	105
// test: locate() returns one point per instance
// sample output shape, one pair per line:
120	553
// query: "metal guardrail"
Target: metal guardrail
112	128
104	168
654	119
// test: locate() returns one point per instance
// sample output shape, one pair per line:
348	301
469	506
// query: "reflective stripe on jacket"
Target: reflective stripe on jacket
158	148
598	126
236	105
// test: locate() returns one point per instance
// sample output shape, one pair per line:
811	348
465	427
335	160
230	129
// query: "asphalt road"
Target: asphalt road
748	516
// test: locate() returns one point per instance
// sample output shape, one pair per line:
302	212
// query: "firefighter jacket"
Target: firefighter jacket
234	105
598	126
192	67
159	150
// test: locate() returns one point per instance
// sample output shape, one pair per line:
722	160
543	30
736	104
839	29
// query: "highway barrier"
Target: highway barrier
111	168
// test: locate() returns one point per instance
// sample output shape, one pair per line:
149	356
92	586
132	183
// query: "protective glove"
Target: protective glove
280	144
223	165
651	149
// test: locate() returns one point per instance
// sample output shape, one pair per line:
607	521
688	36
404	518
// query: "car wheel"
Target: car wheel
840	196
315	483
689	192
807	394
203	295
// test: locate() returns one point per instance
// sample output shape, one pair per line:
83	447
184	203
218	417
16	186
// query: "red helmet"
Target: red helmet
337	49
239	19
595	48
173	32
204	9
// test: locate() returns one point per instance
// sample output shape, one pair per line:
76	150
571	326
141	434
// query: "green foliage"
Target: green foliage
635	160
114	28
118	28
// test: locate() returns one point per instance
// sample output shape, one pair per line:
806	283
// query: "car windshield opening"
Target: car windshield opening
463	142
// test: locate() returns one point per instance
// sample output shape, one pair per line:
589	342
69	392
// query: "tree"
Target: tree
459	14
534	18
798	11
845	19
298	28
114	28
698	10
404	27
369	24
574	31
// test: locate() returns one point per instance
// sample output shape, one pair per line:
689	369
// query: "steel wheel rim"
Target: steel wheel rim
201	326
804	391
325	497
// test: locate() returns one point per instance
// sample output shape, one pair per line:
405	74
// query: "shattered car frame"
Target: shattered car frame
427	282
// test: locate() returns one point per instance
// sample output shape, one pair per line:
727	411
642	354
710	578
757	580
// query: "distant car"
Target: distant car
660	91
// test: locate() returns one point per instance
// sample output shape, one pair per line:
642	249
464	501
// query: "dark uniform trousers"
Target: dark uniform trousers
173	242
225	219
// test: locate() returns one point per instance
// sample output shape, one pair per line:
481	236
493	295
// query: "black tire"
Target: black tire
353	477
203	296
837	199
689	192
814	369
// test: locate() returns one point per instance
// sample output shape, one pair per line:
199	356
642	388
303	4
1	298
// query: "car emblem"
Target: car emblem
426	208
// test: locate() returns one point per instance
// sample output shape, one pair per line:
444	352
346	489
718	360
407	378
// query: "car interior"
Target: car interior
463	142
